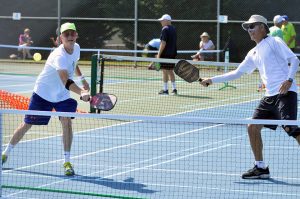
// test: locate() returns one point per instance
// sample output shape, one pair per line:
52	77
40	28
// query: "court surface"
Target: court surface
152	160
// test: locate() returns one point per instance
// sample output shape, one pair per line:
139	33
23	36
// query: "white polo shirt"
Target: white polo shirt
48	84
270	57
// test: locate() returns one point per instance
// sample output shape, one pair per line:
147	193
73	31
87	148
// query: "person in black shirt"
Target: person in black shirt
167	49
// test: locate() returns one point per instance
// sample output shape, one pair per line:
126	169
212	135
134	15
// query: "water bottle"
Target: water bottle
226	56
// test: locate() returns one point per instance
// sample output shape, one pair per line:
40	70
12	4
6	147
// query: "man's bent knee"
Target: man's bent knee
293	131
254	127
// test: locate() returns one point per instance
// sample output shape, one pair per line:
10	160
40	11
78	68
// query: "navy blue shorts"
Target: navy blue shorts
39	104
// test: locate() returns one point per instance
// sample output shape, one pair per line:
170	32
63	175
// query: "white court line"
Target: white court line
24	91
120	173
85	131
137	121
122	146
129	138
224	100
162	156
226	190
168	161
116	147
16	85
178	186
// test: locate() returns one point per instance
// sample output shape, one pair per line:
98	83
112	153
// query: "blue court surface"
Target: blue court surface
154	160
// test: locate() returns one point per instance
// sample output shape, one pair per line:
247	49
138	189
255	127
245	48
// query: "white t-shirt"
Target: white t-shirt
206	45
270	57
48	84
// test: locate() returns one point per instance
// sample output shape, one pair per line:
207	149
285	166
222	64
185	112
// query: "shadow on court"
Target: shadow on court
267	182
126	184
193	96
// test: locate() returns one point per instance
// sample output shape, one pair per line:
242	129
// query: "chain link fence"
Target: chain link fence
130	24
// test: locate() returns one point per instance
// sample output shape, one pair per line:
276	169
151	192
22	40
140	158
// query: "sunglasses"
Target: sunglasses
252	26
71	33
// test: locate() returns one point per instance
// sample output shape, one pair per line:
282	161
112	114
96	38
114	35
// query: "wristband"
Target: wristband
68	83
83	94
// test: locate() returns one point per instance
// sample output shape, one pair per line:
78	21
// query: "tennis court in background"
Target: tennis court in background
171	156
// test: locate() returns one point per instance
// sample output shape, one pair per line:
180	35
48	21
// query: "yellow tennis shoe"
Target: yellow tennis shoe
69	171
4	158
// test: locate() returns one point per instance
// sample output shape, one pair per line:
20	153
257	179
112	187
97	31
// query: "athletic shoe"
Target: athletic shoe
174	92
163	92
69	171
4	158
257	173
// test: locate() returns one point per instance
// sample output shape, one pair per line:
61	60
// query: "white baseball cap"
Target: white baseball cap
165	17
278	19
255	19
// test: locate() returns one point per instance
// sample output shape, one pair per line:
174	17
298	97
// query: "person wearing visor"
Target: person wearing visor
277	66
52	91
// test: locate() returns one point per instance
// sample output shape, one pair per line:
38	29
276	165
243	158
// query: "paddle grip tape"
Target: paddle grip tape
68	84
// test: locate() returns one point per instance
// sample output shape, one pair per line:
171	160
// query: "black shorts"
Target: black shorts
167	66
277	107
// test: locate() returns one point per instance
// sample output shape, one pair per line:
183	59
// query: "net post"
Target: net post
101	81
94	71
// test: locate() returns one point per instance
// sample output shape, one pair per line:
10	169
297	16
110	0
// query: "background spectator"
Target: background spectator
205	44
289	33
275	31
25	40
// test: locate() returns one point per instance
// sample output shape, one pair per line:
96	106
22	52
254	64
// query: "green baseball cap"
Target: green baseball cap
67	26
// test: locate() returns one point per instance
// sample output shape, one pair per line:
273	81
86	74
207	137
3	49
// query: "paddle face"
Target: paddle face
187	71
103	101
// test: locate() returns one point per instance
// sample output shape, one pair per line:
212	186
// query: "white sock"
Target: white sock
8	149
165	86
67	156
174	85
260	164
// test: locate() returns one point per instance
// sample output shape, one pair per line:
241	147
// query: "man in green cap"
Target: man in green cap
52	91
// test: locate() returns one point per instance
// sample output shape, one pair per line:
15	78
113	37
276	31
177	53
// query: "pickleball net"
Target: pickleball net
136	156
129	78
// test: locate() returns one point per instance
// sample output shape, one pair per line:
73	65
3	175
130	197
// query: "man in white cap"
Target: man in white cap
275	31
271	57
52	91
167	49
